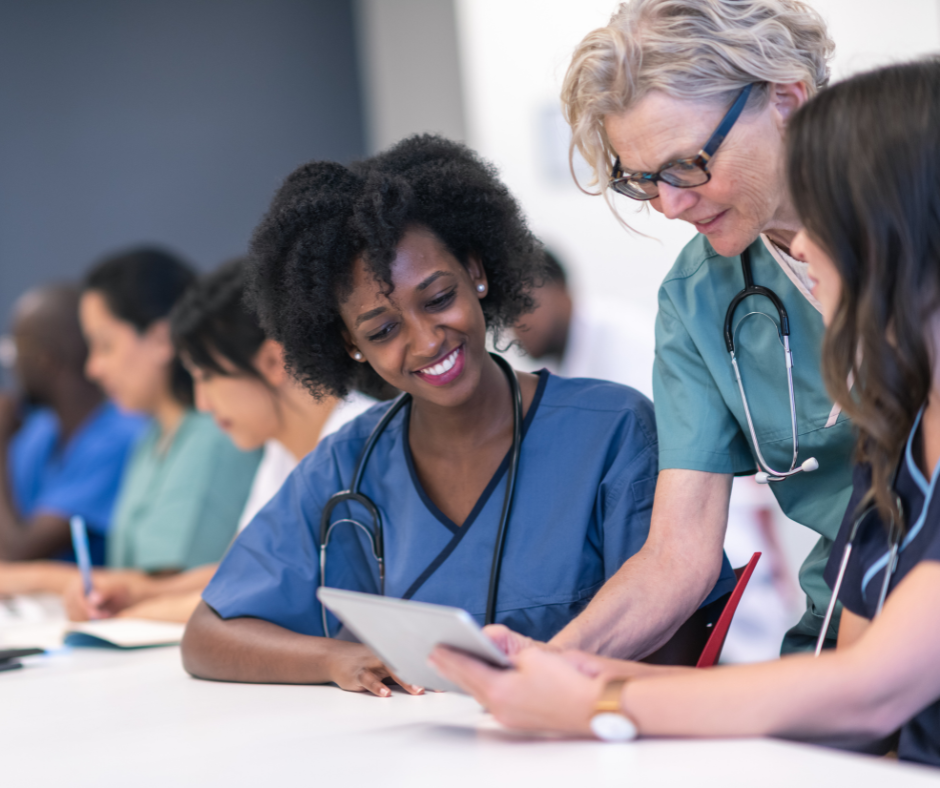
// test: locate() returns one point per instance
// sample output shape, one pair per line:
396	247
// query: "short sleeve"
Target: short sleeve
696	430
85	477
88	490
200	500
271	571
626	495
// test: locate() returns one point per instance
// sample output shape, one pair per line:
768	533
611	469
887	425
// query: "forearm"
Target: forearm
639	608
653	593
797	697
13	538
255	651
863	691
35	577
183	583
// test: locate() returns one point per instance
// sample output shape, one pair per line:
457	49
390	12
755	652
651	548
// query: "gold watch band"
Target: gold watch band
609	700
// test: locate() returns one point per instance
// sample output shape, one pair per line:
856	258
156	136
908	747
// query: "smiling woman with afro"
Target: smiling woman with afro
325	216
400	266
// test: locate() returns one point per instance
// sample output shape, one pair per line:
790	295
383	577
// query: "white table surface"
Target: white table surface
100	717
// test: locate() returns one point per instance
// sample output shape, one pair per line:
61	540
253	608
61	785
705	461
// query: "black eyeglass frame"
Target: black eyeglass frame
619	182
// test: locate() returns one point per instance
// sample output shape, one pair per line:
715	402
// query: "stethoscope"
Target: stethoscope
767	474
894	544
375	533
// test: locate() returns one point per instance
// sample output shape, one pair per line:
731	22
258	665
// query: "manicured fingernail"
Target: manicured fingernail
386	692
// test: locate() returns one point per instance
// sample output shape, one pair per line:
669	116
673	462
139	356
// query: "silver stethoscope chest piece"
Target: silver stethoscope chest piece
766	474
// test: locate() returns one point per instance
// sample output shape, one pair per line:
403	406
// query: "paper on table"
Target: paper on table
124	633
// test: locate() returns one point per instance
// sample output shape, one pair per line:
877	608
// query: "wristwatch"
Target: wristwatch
609	723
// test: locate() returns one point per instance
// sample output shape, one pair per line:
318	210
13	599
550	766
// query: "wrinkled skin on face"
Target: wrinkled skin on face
747	193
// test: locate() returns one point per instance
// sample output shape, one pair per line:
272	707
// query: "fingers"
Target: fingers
411	689
588	664
371	681
506	640
470	674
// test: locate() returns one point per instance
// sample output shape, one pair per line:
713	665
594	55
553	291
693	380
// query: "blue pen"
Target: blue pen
82	553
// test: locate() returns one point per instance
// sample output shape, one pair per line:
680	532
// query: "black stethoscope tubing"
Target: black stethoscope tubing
767	473
375	534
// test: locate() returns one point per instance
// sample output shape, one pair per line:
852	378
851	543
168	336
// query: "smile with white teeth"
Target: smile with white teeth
444	365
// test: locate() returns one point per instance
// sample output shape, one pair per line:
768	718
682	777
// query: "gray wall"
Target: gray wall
410	58
168	121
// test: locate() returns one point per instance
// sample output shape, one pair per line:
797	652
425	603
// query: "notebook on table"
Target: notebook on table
124	633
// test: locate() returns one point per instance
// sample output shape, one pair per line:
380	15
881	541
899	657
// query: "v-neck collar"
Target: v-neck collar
926	489
494	481
459	532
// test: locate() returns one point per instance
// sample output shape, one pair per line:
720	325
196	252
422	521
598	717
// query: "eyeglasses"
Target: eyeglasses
681	173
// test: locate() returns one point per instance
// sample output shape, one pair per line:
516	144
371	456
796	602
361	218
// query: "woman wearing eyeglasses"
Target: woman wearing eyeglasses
683	105
865	167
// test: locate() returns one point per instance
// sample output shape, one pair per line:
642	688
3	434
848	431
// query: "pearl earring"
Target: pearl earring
481	288
357	355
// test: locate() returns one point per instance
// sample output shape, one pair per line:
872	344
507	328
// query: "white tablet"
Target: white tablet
403	633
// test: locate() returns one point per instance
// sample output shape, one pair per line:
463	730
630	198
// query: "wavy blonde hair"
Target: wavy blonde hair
694	50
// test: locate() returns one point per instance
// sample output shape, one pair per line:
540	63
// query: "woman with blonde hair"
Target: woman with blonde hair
865	169
683	104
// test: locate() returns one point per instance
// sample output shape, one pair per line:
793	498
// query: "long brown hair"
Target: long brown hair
864	172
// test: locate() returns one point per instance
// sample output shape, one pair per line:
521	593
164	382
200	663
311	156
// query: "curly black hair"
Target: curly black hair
325	216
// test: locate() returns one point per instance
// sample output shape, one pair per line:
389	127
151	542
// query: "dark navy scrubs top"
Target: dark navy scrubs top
864	575
584	494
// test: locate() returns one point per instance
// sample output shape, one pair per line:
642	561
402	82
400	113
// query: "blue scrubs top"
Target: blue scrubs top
864	575
584	494
80	478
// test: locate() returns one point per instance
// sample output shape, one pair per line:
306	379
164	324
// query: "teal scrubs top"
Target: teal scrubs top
700	417
179	504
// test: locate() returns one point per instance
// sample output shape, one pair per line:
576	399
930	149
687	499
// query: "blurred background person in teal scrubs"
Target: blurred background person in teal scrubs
185	483
241	380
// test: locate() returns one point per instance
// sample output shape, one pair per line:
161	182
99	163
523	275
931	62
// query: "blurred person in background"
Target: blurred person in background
185	484
67	455
241	380
576	338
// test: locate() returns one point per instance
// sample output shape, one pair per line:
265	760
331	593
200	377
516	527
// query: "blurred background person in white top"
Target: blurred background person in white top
580	338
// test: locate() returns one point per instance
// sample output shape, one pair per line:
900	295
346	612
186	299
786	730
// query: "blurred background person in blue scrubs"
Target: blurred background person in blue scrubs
67	456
